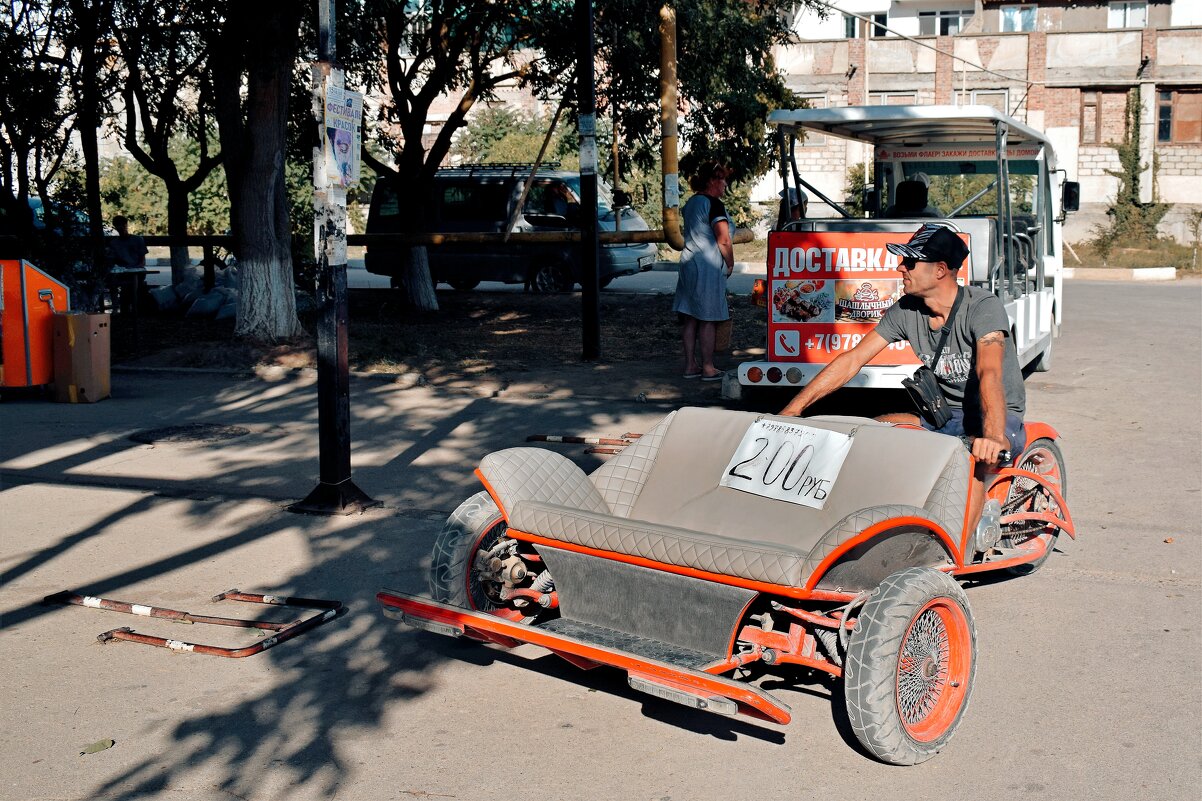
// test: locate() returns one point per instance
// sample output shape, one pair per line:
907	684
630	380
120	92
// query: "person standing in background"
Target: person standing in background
707	261
128	252
795	209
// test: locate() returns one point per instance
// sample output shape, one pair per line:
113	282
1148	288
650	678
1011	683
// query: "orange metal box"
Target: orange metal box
28	300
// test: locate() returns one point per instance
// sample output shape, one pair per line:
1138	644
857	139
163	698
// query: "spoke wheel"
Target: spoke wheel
930	669
1043	458
455	577
910	665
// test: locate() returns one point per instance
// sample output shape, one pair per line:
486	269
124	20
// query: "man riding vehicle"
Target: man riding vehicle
977	371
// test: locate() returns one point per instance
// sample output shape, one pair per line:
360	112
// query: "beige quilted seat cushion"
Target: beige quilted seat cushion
534	474
887	466
666	544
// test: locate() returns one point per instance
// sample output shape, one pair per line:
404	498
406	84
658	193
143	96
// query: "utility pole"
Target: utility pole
590	296
335	492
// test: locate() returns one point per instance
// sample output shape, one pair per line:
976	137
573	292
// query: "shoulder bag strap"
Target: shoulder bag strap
947	327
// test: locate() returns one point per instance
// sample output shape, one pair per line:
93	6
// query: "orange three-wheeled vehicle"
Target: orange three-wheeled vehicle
725	539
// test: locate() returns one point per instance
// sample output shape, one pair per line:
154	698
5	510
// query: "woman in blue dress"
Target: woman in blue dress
706	263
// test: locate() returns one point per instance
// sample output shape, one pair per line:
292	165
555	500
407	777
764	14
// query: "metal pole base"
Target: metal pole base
343	498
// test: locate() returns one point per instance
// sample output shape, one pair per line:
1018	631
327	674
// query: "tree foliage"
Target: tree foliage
127	188
167	92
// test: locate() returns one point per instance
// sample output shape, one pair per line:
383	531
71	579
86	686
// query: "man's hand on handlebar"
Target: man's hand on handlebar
991	451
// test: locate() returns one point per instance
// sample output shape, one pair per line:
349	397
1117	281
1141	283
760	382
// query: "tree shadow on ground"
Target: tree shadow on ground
341	678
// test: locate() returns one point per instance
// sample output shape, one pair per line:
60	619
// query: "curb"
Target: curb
1135	274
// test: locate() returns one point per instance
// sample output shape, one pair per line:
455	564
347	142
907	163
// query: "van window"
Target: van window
463	202
550	197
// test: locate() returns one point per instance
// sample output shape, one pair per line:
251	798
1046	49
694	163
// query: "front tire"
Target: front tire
911	660
476	525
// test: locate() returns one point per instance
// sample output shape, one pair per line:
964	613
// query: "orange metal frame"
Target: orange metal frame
751	701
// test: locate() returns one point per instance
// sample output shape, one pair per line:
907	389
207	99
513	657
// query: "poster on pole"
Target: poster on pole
343	129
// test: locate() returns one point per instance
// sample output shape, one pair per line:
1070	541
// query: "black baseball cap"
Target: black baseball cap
933	243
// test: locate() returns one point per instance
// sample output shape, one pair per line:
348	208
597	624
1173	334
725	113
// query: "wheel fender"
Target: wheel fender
496	497
1039	430
866	527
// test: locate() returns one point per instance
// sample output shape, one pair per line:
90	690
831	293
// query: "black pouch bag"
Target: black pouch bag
924	387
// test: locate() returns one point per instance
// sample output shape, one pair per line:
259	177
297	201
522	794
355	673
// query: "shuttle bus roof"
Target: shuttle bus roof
918	126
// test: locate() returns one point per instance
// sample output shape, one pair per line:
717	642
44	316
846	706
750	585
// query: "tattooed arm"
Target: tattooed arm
990	351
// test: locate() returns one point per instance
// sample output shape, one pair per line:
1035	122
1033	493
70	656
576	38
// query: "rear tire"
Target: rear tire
552	278
476	525
1044	362
463	284
1043	457
910	665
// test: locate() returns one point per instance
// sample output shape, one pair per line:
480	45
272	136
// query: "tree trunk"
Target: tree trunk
263	36
415	282
177	225
89	30
267	299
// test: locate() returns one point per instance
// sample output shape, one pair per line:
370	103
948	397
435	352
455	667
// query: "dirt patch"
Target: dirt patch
504	339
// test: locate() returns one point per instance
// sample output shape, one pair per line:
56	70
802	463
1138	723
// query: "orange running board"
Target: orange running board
682	685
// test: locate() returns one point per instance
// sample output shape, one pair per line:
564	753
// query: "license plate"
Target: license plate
646	263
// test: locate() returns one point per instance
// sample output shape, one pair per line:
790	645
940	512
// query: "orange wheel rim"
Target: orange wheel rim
933	668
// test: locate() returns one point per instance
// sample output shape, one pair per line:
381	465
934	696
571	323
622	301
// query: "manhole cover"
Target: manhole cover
194	432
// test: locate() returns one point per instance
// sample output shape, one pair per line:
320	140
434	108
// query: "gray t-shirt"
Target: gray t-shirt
981	312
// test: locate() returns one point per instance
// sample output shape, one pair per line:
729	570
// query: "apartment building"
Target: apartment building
1061	66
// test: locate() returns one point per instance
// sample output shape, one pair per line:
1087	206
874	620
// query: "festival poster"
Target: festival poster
827	289
343	127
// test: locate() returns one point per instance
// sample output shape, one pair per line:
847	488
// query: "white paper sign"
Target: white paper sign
788	462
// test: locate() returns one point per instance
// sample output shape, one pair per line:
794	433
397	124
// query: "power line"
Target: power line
861	17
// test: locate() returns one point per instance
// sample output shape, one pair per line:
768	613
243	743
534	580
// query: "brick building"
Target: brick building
1064	67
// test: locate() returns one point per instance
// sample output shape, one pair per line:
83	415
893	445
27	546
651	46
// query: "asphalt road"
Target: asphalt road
1089	682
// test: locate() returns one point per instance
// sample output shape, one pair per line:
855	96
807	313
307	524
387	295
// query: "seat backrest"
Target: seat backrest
911	197
887	465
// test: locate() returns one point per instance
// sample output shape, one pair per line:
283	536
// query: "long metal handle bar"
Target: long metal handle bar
283	631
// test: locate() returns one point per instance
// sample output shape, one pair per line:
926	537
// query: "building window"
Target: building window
879	21
893	99
1179	117
1089	118
1128	14
943	23
994	98
1018	18
849	26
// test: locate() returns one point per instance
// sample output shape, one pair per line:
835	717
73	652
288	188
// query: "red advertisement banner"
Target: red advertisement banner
827	289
